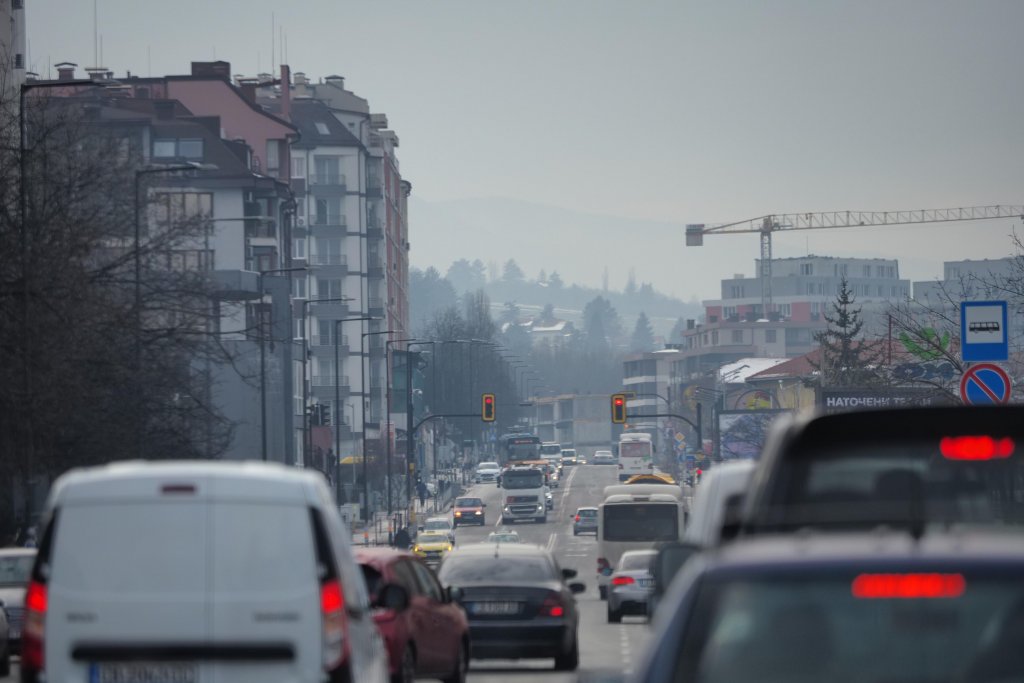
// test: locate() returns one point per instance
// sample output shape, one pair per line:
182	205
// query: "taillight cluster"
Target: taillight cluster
552	606
332	612
33	628
622	580
577	518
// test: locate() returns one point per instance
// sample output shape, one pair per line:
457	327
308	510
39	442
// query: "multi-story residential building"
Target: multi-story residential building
578	421
12	46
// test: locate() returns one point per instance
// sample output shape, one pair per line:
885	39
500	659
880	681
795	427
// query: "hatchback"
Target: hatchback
197	571
585	521
468	511
424	630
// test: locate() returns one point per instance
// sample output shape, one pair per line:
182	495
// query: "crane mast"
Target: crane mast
766	225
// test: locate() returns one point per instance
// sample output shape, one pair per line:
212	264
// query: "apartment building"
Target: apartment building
12	46
579	421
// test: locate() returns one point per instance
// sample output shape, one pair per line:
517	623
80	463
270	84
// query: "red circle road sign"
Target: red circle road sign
985	384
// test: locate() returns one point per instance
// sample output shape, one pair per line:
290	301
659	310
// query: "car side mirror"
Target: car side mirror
569	573
453	593
577	587
483	505
669	561
393	597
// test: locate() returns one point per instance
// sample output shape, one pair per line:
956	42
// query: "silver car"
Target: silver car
15	566
631	584
585	521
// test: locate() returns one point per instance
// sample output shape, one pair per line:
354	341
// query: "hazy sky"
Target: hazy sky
673	111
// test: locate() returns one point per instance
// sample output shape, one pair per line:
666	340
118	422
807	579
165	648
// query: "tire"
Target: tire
614	615
569	661
407	667
461	666
602	592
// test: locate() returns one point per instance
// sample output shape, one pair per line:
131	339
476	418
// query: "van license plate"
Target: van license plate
144	672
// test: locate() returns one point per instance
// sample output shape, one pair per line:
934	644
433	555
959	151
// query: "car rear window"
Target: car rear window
587	513
894	483
373	579
479	569
14	570
931	626
638	561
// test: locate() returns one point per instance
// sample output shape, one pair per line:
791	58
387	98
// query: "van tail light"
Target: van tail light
976	447
623	580
34	627
603	567
335	624
552	606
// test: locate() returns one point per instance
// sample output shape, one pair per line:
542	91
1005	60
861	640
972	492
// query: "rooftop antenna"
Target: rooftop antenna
95	33
273	38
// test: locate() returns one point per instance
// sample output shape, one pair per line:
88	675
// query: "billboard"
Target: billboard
841	400
742	433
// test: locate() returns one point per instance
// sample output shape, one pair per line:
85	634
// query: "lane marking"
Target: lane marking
551	542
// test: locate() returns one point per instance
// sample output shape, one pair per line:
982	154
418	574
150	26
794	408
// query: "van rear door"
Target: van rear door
265	596
127	594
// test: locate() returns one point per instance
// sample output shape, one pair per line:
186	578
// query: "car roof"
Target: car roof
586	507
241	480
379	558
490	550
437	519
857	549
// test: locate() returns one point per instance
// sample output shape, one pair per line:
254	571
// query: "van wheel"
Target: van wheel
568	661
461	666
407	669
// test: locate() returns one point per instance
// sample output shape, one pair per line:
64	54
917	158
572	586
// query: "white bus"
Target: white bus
636	455
636	517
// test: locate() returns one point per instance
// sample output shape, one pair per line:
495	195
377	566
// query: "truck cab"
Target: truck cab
523	494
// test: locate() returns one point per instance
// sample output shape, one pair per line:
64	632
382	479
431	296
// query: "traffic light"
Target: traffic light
619	409
487	408
325	414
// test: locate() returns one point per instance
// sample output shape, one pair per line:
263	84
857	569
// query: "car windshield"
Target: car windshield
895	483
943	626
468	569
522	480
429	537
488	466
495	537
633	561
640	522
14	569
468	503
437	524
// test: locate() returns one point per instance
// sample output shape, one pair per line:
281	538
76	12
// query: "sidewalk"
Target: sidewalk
375	533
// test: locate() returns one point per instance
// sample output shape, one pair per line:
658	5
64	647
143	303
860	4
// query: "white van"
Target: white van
718	500
193	572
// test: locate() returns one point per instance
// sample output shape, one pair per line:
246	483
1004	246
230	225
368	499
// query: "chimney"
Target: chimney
66	71
337	81
247	87
286	92
300	78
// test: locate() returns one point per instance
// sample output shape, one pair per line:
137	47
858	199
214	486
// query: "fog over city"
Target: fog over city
628	120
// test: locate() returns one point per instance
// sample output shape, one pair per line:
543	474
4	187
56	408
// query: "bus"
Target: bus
636	454
636	517
515	448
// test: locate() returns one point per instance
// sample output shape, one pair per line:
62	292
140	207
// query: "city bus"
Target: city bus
636	517
636	454
515	448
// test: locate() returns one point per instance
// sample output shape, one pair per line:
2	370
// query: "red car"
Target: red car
425	631
468	511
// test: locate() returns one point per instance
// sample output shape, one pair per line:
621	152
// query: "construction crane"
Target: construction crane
766	225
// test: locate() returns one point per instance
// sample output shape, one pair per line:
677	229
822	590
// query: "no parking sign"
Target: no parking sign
985	384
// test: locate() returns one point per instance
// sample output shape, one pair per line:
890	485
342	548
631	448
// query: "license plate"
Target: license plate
645	582
144	672
495	608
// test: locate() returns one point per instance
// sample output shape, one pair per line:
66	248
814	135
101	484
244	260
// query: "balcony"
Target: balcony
328	220
374	267
374	188
336	180
328	309
375	307
376	351
260	229
328	381
329	260
374	231
326	343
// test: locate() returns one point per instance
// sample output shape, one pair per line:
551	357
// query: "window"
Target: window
327	170
191	148
328	251
19	60
300	333
714	337
322	128
17	4
807	269
299	247
737	336
785	310
164	148
298	167
867	271
325	332
328	211
328	288
299	288
176	207
272	156
736	292
770	336
325	369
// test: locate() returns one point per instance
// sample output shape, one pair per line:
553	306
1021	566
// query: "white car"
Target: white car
603	458
197	571
15	567
487	473
442	524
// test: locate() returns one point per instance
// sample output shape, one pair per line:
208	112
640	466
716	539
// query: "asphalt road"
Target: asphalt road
607	651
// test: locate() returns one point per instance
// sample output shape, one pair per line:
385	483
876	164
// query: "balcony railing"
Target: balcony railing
329	260
375	304
337	179
328	380
329	219
327	340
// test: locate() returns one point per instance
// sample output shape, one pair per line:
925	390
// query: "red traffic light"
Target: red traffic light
487	409
618	408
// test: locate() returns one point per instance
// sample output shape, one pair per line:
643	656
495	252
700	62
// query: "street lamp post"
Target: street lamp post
387	409
337	402
263	356
307	438
362	388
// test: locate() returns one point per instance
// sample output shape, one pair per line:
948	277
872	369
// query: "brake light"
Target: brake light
976	447
552	607
908	586
332	612
577	518
33	630
623	580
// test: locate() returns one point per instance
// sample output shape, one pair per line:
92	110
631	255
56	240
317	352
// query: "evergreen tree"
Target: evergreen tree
846	360
643	335
676	336
511	272
555	280
547	316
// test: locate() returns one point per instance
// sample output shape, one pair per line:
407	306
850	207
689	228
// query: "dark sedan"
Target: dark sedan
517	602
